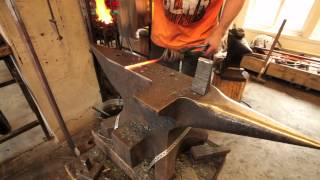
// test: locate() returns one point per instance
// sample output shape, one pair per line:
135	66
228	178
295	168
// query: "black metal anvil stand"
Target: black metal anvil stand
159	105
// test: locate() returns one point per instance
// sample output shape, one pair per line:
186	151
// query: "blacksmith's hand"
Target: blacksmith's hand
215	39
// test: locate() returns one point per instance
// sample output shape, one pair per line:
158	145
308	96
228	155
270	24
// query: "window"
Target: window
267	15
316	33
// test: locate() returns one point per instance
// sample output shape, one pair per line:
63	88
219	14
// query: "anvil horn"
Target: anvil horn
217	112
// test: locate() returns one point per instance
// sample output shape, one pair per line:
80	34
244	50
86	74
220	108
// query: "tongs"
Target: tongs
195	50
174	55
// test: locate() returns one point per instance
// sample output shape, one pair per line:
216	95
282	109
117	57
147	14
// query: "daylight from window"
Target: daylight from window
267	15
316	33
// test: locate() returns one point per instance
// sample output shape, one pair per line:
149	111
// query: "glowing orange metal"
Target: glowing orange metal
103	12
133	66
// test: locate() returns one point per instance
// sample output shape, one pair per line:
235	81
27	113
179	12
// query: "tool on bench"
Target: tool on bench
268	58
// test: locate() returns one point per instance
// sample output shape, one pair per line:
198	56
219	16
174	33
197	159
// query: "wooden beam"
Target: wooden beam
5	51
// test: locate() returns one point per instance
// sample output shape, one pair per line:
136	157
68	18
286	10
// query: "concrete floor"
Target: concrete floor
249	158
16	109
260	159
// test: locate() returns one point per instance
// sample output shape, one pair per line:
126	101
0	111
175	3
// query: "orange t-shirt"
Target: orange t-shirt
183	23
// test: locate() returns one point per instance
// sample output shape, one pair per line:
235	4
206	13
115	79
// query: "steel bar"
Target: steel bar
139	65
19	131
40	73
268	59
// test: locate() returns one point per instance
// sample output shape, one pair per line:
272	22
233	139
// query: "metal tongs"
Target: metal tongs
174	55
195	50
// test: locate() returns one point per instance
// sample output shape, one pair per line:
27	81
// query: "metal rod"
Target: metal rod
100	111
268	58
40	73
19	131
85	9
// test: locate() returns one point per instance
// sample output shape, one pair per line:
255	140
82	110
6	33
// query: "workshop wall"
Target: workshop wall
67	63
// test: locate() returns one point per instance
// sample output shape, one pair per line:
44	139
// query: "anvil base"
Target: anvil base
185	166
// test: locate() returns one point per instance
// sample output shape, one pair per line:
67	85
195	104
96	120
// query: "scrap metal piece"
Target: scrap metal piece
202	79
169	149
206	152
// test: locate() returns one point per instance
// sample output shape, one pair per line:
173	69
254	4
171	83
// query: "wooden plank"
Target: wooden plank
5	51
293	75
232	89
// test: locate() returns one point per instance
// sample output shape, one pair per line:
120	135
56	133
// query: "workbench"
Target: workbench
283	72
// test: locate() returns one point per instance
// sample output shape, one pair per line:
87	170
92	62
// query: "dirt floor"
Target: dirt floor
249	158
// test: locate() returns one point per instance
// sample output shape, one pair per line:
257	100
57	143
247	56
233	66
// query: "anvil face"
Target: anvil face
163	101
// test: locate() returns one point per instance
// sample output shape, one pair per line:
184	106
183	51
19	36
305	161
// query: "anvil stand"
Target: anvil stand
181	159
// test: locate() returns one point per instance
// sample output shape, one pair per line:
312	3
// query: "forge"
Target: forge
159	106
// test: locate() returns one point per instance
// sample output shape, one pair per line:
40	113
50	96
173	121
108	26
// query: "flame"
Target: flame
130	67
103	12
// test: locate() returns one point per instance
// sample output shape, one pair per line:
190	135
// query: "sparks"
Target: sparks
103	12
133	66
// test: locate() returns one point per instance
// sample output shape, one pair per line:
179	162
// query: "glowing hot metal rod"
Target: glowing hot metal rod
138	65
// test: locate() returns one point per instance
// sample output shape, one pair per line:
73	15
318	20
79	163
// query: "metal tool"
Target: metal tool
178	55
268	58
196	50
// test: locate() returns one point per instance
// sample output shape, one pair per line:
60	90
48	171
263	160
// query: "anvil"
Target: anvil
159	104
